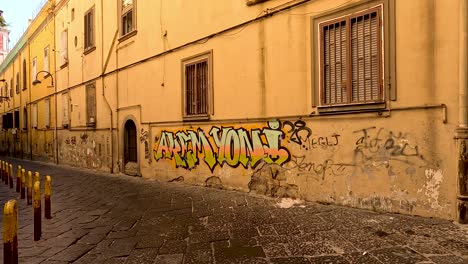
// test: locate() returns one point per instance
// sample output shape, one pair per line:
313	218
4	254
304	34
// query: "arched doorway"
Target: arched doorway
130	142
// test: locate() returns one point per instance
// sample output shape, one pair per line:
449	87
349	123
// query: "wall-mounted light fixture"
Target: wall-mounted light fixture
4	97
47	74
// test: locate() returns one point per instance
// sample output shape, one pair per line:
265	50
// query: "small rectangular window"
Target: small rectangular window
65	110
17	121
34	69
197	84
91	104
127	13
89	29
34	115
17	87
46	59
8	121
47	112
25	118
63	48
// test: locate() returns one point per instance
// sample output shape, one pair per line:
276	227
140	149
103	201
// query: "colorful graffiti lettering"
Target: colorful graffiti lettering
223	145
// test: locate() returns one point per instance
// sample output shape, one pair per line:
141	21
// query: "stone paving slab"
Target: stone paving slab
109	218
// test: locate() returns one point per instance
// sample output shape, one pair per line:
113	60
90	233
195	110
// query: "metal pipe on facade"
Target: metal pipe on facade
463	67
104	67
461	133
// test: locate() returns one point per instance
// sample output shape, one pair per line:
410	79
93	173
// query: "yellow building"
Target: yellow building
361	103
28	116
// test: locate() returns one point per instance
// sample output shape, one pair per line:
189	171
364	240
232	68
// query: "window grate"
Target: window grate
196	76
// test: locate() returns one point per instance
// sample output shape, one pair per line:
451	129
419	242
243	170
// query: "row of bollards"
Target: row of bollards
26	188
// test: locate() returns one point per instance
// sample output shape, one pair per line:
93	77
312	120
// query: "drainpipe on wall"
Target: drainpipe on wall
104	67
461	134
55	92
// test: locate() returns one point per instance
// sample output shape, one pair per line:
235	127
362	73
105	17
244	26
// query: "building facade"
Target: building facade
361	103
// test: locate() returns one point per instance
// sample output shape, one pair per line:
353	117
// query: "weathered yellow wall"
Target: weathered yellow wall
402	159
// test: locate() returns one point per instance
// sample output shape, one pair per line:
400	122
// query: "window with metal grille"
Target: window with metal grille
127	17
65	110
91	104
351	59
89	29
196	85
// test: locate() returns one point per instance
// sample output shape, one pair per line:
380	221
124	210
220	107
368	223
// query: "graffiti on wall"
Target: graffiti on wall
144	135
299	133
379	144
223	145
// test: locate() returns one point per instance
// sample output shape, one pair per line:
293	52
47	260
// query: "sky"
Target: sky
17	13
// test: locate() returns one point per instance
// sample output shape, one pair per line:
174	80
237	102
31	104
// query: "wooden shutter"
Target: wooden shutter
365	57
64	47
34	69
46	58
334	63
65	118
25	75
34	115
47	112
89	28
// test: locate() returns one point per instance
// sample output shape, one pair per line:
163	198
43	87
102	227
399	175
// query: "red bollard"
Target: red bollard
47	195
23	183
18	179
11	176
37	211
7	174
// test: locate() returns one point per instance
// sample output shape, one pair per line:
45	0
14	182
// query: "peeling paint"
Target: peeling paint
433	180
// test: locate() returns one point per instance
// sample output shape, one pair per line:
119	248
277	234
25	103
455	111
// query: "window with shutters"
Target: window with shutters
127	17
25	75
25	118
46	59
34	115
91	104
351	59
47	112
17	87
198	86
64	48
65	110
34	69
353	62
17	119
89	30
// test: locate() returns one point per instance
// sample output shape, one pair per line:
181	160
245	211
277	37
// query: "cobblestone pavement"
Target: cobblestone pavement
104	218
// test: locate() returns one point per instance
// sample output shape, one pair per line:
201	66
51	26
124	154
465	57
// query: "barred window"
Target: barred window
89	29
91	104
197	86
351	59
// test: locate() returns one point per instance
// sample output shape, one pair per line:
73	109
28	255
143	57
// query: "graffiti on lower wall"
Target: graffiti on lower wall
223	145
144	136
